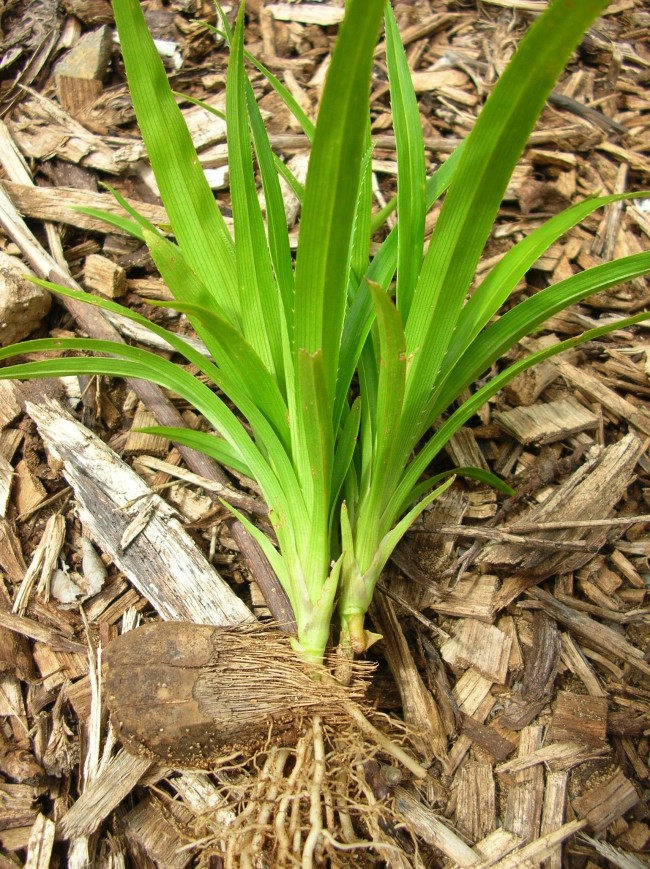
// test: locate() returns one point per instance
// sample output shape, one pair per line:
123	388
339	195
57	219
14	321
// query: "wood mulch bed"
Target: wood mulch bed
515	630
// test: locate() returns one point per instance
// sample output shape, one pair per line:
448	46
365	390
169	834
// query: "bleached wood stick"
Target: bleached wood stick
116	780
162	562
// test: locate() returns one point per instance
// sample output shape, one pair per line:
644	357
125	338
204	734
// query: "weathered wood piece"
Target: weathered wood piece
115	781
555	796
542	663
150	830
9	407
142	443
79	74
41	843
420	708
545	423
476	801
592	632
526	796
464	450
11	555
530	855
43	129
105	276
560	755
163	563
6	476
486	738
596	390
426	825
590	493
40	633
580	718
58	204
22	304
326	14
602	805
483	647
496	846
578	664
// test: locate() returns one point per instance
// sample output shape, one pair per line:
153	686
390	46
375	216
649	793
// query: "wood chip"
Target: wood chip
163	564
545	423
59	203
41	843
115	781
590	493
580	718
141	443
525	798
151	831
591	631
420	708
555	796
425	824
483	647
596	390
105	276
307	13
78	75
542	664
476	800
602	805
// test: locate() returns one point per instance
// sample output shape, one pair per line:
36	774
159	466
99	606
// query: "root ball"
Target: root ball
189	694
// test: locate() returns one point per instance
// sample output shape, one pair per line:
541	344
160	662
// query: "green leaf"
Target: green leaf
211	445
418	466
526	317
411	170
390	387
258	293
504	277
198	224
274	474
269	166
331	190
472	202
360	317
240	369
318	444
345	447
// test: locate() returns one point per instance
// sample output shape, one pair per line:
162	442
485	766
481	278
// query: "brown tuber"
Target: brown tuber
190	694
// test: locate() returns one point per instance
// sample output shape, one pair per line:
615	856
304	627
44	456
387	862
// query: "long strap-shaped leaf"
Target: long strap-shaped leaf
261	307
196	220
471	205
411	169
331	189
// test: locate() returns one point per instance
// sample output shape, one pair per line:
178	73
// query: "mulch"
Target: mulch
515	629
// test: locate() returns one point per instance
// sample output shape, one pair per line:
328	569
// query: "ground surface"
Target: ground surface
516	632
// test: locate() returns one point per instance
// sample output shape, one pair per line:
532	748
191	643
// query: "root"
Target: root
387	744
315	805
315	808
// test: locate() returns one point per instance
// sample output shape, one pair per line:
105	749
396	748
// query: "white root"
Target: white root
387	744
315	810
268	804
282	836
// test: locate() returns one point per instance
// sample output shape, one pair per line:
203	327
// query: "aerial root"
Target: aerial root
313	804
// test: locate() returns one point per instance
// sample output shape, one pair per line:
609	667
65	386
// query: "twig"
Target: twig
583	523
507	537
